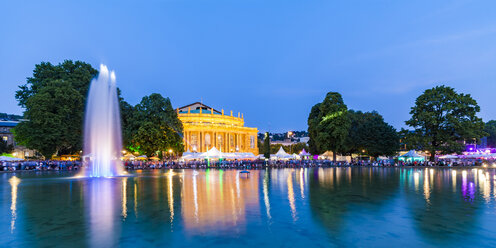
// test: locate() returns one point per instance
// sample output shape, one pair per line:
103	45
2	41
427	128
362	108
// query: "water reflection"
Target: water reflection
14	181
100	202
317	206
217	199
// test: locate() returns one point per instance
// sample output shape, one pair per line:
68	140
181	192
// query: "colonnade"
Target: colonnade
225	141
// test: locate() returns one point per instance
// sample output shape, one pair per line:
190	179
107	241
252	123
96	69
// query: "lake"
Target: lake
309	207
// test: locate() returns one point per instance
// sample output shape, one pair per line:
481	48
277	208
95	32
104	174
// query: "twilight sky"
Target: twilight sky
271	60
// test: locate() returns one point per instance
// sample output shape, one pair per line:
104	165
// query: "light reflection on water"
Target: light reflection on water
274	207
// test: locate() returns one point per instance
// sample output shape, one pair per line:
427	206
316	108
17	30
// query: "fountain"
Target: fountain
102	128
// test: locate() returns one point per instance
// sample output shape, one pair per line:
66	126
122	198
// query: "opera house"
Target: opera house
205	127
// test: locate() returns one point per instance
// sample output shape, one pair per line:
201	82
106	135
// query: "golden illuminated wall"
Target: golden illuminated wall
204	129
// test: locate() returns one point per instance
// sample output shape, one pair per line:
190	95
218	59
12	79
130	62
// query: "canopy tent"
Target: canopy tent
212	153
187	153
448	157
304	153
142	157
191	155
411	156
8	159
481	155
281	154
128	156
326	155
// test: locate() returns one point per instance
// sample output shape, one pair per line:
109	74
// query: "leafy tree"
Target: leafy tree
333	124
490	129
152	126
128	122
369	132
313	122
5	147
266	146
444	120
53	99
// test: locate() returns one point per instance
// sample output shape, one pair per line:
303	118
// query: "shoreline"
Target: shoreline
273	167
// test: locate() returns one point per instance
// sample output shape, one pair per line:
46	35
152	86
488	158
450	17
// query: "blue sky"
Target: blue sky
271	60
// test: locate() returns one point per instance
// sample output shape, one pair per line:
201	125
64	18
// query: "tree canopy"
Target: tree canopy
329	124
490	129
5	147
152	126
370	133
266	145
53	99
444	120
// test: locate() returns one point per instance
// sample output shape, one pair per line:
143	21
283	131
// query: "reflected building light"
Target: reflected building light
486	187
171	196
124	197
464	183
427	190
266	195
291	196
302	184
338	175
14	181
453	179
416	176
321	175
238	191
432	177
195	196
135	199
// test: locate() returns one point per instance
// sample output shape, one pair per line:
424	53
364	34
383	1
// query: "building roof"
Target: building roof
197	111
197	106
8	123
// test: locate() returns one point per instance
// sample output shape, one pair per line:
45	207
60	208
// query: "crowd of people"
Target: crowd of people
55	165
40	165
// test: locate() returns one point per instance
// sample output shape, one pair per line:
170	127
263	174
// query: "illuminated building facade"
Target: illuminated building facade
205	127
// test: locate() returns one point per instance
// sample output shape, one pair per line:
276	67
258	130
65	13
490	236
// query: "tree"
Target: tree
152	126
266	146
53	99
5	148
369	132
445	120
333	124
490	129
313	122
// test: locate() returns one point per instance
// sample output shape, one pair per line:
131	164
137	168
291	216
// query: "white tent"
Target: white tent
281	154
5	158
411	154
448	157
212	153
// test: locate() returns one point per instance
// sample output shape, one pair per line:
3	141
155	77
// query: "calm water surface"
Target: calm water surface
331	207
